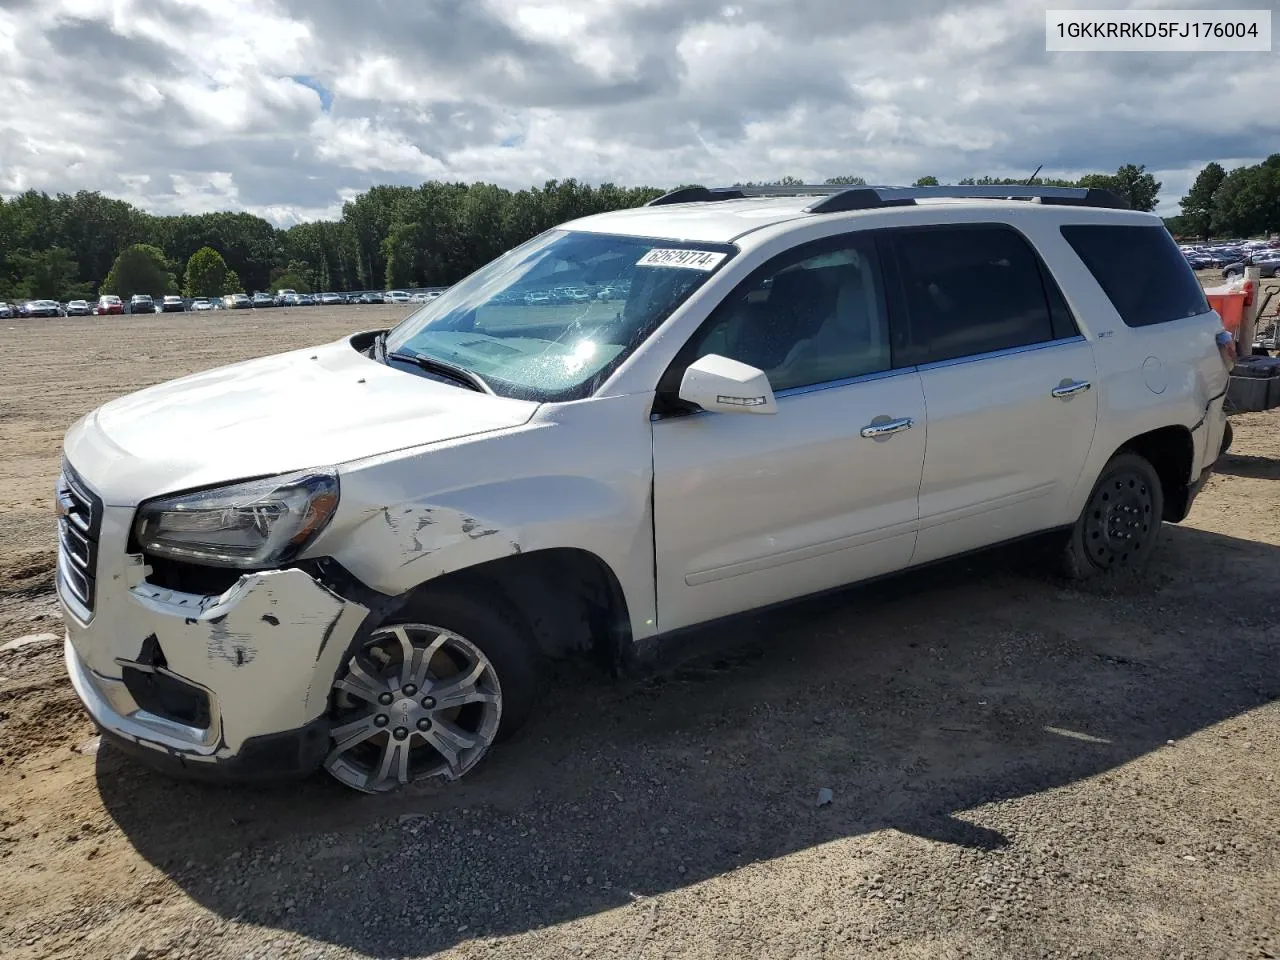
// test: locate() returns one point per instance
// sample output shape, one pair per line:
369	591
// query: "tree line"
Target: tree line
80	245
1242	202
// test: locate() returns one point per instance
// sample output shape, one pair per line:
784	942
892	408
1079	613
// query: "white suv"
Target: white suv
354	556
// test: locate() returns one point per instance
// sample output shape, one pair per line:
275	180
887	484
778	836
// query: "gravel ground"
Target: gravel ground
971	761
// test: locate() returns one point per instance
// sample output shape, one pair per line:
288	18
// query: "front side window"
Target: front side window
811	316
551	319
972	290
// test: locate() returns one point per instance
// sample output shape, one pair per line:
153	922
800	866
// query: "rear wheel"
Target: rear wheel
1120	524
426	698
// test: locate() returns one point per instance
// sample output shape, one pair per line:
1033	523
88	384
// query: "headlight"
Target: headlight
257	524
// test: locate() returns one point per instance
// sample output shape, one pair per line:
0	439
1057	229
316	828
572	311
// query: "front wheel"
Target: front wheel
426	698
1120	524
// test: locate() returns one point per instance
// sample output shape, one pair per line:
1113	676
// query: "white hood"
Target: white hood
308	408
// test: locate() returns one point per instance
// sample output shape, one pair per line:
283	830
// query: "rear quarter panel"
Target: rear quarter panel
1149	377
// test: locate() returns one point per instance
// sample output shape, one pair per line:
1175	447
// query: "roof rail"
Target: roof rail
835	198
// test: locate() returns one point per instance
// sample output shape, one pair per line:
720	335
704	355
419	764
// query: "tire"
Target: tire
394	724
1119	526
1227	436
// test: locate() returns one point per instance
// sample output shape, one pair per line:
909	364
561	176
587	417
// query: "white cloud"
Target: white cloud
175	105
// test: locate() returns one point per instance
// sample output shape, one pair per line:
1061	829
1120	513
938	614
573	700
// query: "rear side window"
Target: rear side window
972	290
1141	270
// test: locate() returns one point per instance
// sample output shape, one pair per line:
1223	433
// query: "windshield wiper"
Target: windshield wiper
462	375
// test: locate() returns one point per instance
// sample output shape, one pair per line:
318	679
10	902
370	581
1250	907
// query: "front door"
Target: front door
751	509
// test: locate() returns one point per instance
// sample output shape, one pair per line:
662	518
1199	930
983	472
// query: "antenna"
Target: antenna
1033	176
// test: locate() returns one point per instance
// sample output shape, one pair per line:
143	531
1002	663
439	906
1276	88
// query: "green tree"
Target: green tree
1197	205
1131	182
140	268
847	179
209	276
296	276
51	275
926	182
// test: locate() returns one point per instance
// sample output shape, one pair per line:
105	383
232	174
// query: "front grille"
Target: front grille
79	521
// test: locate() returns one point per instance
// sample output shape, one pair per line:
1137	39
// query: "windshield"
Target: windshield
551	319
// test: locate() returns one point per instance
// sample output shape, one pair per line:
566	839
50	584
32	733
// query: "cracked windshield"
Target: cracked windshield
553	318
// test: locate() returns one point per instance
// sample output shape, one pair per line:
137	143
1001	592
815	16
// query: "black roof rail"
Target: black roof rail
836	198
709	194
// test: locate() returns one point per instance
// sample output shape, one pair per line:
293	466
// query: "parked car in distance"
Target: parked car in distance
798	393
201	304
142	303
173	305
283	296
371	297
263	300
42	308
396	296
1267	261
303	300
237	301
108	305
78	308
330	299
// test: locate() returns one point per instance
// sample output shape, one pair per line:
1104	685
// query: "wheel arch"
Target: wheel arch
1171	452
570	600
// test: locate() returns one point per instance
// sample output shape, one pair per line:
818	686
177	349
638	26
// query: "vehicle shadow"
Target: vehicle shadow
912	701
1258	468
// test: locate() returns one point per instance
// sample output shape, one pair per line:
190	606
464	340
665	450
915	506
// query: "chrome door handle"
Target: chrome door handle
875	430
1069	388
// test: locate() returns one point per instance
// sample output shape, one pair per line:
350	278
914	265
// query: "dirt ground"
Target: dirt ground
1018	768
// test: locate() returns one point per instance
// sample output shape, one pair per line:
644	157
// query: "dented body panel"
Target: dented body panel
405	521
265	651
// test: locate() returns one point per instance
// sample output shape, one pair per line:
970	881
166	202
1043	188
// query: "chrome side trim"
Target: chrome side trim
847	381
994	354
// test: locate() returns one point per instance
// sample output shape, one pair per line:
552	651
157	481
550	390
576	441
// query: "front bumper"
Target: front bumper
234	685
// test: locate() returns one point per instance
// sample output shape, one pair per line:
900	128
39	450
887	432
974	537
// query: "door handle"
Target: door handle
1069	388
886	428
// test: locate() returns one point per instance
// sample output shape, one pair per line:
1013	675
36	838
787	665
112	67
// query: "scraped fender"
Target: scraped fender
398	547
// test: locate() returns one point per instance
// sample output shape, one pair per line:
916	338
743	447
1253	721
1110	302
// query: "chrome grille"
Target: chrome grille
79	519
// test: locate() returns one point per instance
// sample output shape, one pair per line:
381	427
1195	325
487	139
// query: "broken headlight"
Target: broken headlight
261	523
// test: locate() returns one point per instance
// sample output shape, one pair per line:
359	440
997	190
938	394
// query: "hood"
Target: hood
316	407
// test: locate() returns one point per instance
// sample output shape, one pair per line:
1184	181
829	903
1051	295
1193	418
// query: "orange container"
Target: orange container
1230	307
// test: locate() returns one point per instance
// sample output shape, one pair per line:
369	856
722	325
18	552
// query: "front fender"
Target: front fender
400	546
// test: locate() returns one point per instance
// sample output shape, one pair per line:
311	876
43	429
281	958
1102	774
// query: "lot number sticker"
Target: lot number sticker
684	259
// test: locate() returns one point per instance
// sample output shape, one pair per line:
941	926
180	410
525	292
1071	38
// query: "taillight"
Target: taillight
1226	348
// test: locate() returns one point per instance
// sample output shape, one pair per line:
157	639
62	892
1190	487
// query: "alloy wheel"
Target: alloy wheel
415	702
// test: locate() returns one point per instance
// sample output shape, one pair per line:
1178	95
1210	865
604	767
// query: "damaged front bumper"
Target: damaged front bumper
234	685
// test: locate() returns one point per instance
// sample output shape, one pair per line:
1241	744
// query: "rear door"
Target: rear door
1008	383
752	509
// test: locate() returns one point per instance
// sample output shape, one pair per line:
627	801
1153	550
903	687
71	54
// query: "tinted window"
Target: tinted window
810	316
1141	271
972	290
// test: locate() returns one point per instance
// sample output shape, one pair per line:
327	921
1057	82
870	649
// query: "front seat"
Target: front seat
849	343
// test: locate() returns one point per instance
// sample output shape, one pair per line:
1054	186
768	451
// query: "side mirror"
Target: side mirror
722	385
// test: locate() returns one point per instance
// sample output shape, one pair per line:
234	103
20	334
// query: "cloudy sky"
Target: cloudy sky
286	107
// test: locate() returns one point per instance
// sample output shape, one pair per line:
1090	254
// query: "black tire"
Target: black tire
496	627
1227	436
1117	530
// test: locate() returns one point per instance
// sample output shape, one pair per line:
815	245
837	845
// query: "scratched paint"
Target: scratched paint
267	648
